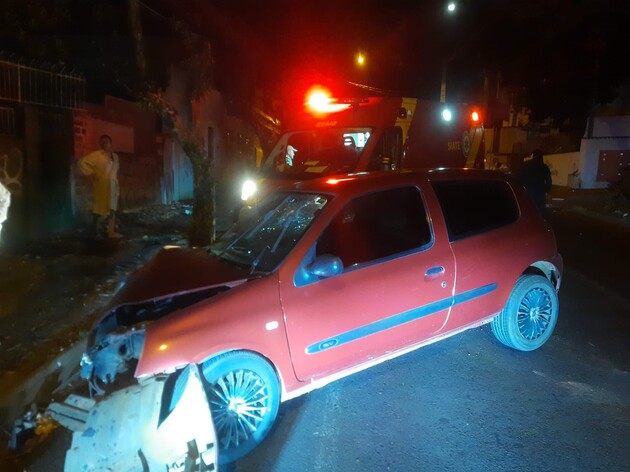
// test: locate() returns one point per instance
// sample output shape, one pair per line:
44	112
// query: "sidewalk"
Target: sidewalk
51	292
602	204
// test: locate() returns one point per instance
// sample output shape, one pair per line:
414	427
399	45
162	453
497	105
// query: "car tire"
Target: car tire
529	316
244	397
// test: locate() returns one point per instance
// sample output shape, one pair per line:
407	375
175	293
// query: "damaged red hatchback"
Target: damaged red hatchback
328	277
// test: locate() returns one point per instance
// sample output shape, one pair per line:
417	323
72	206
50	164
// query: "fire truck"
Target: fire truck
339	136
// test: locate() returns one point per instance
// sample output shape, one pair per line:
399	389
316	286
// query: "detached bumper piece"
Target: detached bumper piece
161	424
73	413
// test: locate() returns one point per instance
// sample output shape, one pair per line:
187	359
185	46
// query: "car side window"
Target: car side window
474	206
376	226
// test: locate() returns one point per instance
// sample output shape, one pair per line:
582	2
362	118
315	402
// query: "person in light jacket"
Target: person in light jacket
102	166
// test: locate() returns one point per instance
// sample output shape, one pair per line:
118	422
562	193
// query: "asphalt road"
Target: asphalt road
469	403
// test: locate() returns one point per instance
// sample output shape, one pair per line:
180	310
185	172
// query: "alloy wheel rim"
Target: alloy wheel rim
534	313
239	402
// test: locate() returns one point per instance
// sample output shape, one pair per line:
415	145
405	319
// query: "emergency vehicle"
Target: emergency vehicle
339	136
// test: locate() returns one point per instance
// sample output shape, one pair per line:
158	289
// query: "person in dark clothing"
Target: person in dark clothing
536	179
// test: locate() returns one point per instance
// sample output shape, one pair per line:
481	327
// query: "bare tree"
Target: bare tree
198	64
202	225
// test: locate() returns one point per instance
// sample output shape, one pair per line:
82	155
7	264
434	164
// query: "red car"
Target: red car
328	277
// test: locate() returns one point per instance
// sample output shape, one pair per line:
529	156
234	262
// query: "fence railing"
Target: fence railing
25	84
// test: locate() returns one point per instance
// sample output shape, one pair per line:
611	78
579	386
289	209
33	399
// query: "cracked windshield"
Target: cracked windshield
262	240
311	154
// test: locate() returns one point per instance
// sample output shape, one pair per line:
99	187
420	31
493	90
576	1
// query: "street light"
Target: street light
360	59
451	7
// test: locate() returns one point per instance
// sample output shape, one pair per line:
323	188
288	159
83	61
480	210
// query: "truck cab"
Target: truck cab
339	136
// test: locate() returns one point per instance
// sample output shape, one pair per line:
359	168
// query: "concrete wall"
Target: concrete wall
609	133
562	166
227	140
177	173
590	150
11	176
577	169
34	160
508	138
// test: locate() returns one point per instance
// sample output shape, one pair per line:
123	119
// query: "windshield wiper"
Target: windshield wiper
273	249
258	258
282	233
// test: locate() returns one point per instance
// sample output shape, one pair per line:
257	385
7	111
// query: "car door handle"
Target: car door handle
434	271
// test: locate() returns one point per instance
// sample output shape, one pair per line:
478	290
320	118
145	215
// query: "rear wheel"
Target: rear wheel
244	398
530	315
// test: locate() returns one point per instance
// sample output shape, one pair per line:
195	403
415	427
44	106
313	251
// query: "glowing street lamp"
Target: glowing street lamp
451	7
360	59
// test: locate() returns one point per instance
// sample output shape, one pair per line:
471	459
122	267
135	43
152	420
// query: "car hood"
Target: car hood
174	270
173	279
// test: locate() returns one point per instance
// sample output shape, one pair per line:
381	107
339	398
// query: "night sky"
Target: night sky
556	56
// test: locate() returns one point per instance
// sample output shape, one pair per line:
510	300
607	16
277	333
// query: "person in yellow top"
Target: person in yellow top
102	165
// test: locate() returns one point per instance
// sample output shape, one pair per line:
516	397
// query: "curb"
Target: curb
36	384
55	375
612	219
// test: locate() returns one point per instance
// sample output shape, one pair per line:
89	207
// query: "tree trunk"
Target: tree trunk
202	224
136	29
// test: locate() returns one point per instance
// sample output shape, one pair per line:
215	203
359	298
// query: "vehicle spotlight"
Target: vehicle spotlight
248	190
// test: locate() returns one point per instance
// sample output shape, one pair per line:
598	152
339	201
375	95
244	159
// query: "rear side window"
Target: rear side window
377	225
474	206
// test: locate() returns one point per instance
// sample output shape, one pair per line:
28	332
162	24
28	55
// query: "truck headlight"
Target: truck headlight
248	190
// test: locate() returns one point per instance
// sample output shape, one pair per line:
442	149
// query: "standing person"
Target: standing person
536	179
102	165
287	163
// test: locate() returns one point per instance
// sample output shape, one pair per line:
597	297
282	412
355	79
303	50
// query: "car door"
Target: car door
393	292
490	248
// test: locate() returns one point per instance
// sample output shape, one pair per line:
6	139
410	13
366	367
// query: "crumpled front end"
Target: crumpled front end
115	344
110	357
161	423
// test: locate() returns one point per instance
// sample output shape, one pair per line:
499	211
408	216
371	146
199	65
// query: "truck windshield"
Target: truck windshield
265	237
314	153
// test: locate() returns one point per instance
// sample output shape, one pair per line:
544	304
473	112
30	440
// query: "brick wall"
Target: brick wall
80	186
136	141
139	180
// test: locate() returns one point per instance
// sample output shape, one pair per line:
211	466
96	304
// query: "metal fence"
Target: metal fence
24	84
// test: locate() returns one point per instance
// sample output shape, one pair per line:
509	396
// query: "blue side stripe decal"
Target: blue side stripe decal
399	319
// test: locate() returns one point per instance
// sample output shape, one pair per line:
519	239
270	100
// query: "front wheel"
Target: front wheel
529	316
244	397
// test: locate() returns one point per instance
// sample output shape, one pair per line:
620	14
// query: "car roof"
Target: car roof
366	181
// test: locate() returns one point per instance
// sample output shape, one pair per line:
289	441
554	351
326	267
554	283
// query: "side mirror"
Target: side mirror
326	265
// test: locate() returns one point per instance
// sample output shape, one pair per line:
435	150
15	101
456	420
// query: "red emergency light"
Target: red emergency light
319	100
475	116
